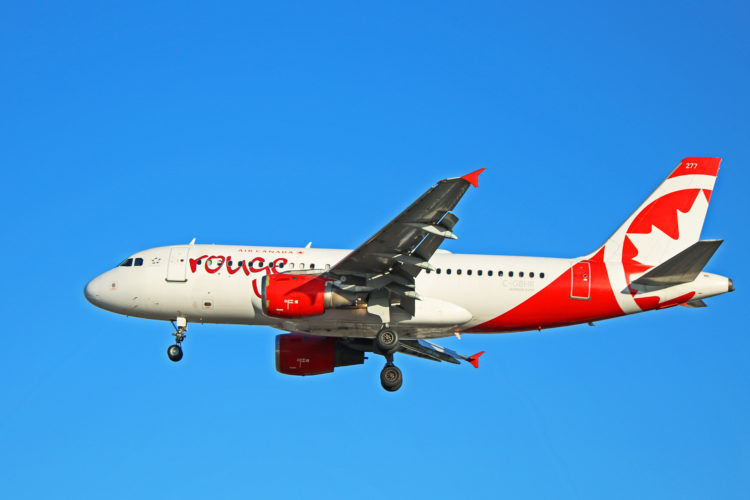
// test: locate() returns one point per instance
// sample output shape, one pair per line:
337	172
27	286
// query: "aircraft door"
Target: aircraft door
177	266
580	281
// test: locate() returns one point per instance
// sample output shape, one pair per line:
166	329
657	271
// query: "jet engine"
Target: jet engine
299	295
298	354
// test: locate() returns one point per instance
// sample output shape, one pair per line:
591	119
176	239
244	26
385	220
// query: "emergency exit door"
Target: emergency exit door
580	281
177	266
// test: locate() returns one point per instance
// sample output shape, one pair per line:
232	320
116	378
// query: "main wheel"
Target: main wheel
174	352
386	340
391	378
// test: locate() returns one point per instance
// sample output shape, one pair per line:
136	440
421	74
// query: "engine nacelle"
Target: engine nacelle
298	354
300	295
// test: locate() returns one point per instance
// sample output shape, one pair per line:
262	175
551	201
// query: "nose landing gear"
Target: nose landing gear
174	352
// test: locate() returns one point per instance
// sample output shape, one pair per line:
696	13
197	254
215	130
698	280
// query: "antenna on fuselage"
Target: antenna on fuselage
309	244
192	242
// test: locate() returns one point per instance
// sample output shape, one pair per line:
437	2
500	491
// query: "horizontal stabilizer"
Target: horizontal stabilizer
683	267
694	303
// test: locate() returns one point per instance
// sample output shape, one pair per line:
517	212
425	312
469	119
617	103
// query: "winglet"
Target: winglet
473	178
474	359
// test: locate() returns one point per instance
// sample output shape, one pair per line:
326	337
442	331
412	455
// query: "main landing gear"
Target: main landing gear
386	343
174	352
386	340
391	378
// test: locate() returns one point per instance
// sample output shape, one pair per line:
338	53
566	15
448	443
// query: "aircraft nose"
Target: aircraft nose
93	290
731	285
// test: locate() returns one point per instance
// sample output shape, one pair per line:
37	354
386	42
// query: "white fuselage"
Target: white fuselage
221	284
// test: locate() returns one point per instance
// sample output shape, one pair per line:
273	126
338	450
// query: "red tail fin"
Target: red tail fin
474	359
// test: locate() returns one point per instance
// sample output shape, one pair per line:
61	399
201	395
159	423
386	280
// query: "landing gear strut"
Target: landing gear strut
386	343
174	352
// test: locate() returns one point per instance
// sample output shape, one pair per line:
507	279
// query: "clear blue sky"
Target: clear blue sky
125	126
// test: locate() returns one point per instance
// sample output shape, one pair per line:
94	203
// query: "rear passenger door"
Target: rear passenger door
580	281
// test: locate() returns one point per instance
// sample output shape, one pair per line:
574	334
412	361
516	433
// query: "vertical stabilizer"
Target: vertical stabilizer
670	220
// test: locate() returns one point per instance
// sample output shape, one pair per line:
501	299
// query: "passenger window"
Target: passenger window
531	274
489	273
312	266
138	261
281	265
447	271
438	271
479	272
541	275
468	271
271	264
500	274
520	275
127	263
428	271
458	271
510	274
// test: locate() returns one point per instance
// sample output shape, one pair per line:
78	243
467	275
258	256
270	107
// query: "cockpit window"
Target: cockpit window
126	263
138	261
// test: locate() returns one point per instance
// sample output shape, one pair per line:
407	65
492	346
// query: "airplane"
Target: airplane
398	290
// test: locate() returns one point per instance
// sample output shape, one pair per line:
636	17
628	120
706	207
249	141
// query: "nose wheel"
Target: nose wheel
174	352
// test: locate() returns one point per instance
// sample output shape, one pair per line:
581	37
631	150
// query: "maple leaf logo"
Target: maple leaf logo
667	226
663	229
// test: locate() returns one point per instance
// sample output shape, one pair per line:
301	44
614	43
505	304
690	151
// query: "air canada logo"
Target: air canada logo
662	229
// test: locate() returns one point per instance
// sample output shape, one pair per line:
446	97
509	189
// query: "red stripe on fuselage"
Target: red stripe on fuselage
553	306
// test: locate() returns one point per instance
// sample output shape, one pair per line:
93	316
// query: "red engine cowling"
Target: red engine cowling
299	295
293	295
298	354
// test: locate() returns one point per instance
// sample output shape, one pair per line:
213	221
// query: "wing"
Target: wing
393	257
428	350
418	348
